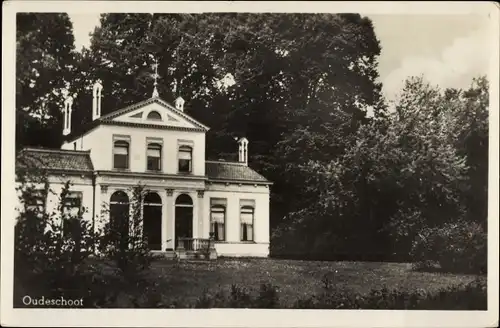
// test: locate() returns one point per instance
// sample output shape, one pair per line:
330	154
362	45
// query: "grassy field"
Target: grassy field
187	280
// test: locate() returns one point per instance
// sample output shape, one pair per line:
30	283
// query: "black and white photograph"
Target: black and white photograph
249	156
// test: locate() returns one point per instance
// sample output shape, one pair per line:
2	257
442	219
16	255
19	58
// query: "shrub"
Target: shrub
454	247
127	248
51	249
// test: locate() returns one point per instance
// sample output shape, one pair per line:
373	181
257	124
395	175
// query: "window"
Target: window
72	207
120	154
154	157
36	202
218	219
246	218
72	204
154	115
185	162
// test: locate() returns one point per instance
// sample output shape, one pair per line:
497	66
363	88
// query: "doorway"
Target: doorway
152	220
183	218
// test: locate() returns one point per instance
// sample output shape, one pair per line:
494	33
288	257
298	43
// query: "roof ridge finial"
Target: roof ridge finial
155	76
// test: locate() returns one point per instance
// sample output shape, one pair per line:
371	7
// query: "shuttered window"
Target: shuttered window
153	154
121	154
185	159
247	223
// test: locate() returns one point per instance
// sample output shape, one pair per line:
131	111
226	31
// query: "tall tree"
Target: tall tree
273	78
44	67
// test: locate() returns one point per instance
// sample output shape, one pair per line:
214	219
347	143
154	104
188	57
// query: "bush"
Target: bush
54	254
51	249
453	247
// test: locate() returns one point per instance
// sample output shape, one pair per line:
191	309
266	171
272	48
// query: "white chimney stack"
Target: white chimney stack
179	104
68	103
96	101
243	150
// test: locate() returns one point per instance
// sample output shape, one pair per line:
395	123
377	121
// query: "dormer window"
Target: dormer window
185	159
154	157
120	154
154	115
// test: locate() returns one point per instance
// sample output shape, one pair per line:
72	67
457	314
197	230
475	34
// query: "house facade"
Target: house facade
188	199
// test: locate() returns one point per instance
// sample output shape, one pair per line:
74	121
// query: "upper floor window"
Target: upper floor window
154	115
154	157
185	159
246	219
121	154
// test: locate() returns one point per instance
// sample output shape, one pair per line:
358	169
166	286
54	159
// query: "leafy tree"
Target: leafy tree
401	173
44	67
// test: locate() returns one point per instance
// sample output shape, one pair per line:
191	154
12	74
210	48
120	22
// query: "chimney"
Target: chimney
68	103
96	101
243	150
179	104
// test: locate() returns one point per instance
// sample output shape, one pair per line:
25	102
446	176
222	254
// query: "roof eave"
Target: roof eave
238	181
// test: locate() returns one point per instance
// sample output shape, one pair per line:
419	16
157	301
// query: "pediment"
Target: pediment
154	112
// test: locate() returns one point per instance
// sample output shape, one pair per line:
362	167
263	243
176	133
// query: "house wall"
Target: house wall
232	246
56	184
100	142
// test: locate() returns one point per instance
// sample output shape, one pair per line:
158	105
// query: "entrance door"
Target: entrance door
152	220
183	218
119	219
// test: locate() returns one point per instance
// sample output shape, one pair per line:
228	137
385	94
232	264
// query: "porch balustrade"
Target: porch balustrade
194	244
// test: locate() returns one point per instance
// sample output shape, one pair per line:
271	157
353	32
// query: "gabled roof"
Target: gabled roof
228	171
55	159
157	100
109	118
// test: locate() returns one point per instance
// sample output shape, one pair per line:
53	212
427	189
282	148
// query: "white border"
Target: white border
228	317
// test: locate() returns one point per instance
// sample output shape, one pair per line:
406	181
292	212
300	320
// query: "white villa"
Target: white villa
188	200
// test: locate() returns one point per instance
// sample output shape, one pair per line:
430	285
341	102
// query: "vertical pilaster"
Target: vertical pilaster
201	214
168	222
101	212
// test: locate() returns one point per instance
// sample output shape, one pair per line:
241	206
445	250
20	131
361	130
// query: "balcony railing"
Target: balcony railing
194	244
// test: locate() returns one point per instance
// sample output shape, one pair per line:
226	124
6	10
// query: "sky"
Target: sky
448	50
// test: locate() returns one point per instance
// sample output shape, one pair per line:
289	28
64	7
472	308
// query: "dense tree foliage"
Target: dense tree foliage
44	65
407	172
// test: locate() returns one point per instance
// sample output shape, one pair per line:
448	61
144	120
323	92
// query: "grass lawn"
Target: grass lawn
187	280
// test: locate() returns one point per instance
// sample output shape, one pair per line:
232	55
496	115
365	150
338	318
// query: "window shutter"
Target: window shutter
121	150
185	155
153	152
218	217
247	218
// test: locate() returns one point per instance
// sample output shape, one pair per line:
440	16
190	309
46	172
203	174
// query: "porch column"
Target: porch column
201	214
168	222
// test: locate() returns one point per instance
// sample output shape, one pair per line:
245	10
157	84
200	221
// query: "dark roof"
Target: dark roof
55	159
232	171
79	161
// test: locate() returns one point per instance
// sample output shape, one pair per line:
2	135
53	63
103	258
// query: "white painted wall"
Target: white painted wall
79	184
234	193
100	142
